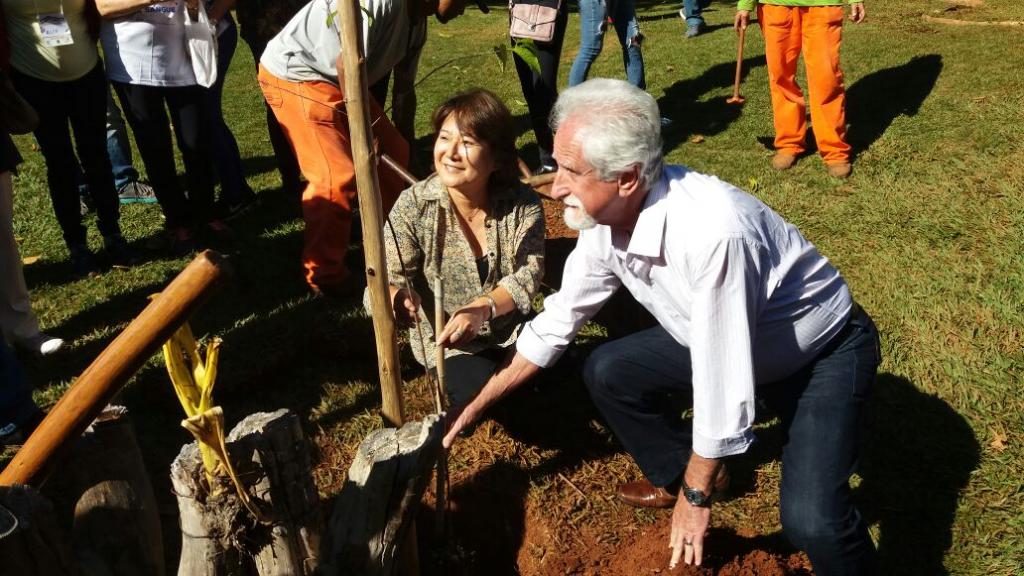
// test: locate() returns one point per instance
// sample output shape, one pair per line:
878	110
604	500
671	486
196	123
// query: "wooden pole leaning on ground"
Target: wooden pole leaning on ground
91	392
736	98
357	99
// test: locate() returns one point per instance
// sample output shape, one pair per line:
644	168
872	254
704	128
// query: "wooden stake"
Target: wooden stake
84	401
363	157
440	490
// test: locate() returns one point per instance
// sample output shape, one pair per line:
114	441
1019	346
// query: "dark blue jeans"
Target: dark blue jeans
119	147
16	405
640	384
692	11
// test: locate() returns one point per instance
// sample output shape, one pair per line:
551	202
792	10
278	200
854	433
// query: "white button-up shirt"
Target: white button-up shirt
726	276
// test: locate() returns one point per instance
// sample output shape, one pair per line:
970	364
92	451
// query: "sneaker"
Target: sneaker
227	210
83	263
693	30
41	344
119	252
135	192
782	161
840	170
665	121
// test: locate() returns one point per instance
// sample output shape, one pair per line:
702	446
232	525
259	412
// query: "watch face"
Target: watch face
695	497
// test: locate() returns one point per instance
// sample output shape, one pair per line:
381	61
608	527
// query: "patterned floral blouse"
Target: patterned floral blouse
430	241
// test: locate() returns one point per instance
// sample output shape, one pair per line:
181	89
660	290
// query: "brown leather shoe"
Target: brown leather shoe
642	494
782	161
840	170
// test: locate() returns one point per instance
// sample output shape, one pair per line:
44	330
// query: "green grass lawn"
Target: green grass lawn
929	231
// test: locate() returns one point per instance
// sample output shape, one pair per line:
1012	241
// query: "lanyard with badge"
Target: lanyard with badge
53	27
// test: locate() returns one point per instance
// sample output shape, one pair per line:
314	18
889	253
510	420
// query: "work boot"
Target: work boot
83	263
840	170
783	161
118	251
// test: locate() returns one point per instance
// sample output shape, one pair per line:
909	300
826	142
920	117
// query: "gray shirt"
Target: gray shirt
306	48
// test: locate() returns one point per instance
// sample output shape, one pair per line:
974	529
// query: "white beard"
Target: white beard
577	218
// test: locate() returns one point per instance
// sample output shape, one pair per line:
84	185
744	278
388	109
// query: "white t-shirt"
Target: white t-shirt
306	48
147	47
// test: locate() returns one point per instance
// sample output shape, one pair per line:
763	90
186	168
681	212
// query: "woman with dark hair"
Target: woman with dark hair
474	224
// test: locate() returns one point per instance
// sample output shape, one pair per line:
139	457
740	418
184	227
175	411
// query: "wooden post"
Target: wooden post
273	461
374	513
115	527
84	401
364	158
30	542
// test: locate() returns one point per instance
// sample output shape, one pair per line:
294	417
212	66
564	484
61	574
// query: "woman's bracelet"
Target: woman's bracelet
493	305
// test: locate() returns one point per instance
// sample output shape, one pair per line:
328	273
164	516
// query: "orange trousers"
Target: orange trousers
312	116
817	32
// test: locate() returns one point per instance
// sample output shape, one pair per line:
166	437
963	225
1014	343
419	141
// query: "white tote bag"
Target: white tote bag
201	41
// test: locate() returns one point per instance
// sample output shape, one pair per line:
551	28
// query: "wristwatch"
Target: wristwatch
696	497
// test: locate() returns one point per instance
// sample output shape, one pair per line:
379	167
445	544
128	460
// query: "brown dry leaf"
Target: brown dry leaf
697	139
999	441
30	260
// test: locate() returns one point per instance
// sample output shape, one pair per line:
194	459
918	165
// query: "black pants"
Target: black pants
541	90
287	163
81	103
466	374
144	108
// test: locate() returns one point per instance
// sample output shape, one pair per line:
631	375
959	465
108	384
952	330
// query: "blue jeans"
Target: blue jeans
119	148
642	382
692	9
593	23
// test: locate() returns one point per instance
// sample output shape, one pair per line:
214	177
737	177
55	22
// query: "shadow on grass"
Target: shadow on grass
682	103
874	101
919	455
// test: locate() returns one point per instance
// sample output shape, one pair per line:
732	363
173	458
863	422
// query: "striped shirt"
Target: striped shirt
726	276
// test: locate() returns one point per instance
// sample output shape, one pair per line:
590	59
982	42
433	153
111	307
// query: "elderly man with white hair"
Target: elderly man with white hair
747	309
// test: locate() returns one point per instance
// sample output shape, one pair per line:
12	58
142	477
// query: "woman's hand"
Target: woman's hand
465	324
405	302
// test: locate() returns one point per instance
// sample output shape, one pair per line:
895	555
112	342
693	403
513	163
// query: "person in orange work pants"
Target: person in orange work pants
312	116
816	32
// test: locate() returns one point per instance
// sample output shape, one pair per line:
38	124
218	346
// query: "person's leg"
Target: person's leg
403	94
309	114
639	383
541	90
143	107
16	404
466	374
593	23
224	148
189	115
119	147
822	36
692	12
17	320
287	163
780	26
87	108
627	30
54	140
821	409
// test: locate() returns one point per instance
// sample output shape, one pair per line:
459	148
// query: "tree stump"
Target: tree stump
115	526
220	535
31	543
378	502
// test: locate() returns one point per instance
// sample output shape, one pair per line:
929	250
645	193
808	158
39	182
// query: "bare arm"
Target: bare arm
512	374
115	8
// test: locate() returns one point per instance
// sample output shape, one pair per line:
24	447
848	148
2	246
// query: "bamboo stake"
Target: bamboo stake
118	362
439	391
363	157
